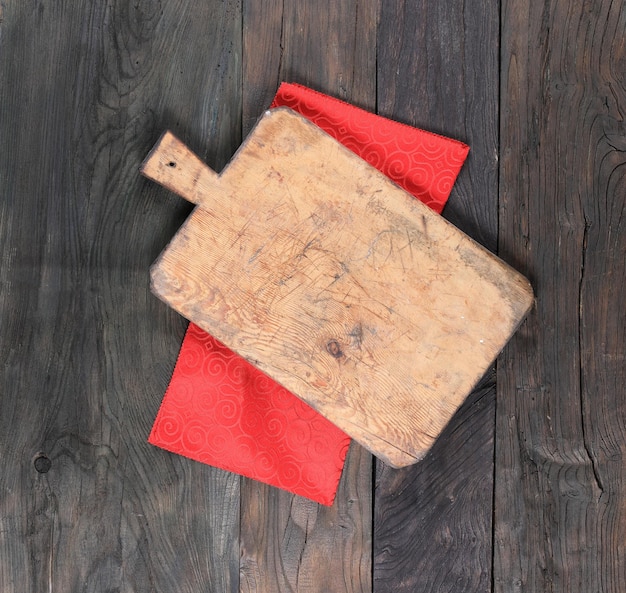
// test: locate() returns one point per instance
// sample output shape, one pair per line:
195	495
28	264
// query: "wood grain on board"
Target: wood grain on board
339	285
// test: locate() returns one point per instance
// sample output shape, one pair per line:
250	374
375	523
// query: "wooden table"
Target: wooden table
523	491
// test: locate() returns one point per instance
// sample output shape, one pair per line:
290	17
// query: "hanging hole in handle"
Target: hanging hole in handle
171	164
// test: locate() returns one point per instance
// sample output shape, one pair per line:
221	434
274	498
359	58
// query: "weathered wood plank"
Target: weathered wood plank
85	503
291	544
290	40
560	519
347	287
438	69
332	50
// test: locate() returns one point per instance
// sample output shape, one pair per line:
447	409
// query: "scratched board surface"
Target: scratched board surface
346	290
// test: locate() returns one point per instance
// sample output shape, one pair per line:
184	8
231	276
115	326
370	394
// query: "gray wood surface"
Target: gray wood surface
560	519
86	351
86	88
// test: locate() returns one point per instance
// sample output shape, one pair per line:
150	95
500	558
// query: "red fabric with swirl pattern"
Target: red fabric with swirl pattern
425	164
219	409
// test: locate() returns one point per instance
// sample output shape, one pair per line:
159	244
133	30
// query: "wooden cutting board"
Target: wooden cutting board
323	273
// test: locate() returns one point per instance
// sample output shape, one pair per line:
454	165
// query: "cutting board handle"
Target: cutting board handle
177	168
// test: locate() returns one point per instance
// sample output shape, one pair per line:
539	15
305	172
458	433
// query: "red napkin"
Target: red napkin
424	164
218	408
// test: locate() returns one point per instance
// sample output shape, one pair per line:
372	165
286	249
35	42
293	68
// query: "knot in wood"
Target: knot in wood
334	349
42	464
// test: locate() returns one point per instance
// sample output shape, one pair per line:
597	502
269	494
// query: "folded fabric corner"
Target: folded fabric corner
220	410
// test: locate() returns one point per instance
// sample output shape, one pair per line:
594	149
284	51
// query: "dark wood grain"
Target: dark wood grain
288	543
292	544
560	519
438	69
85	503
331	49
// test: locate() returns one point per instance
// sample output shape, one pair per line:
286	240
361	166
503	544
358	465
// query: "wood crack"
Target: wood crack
583	416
